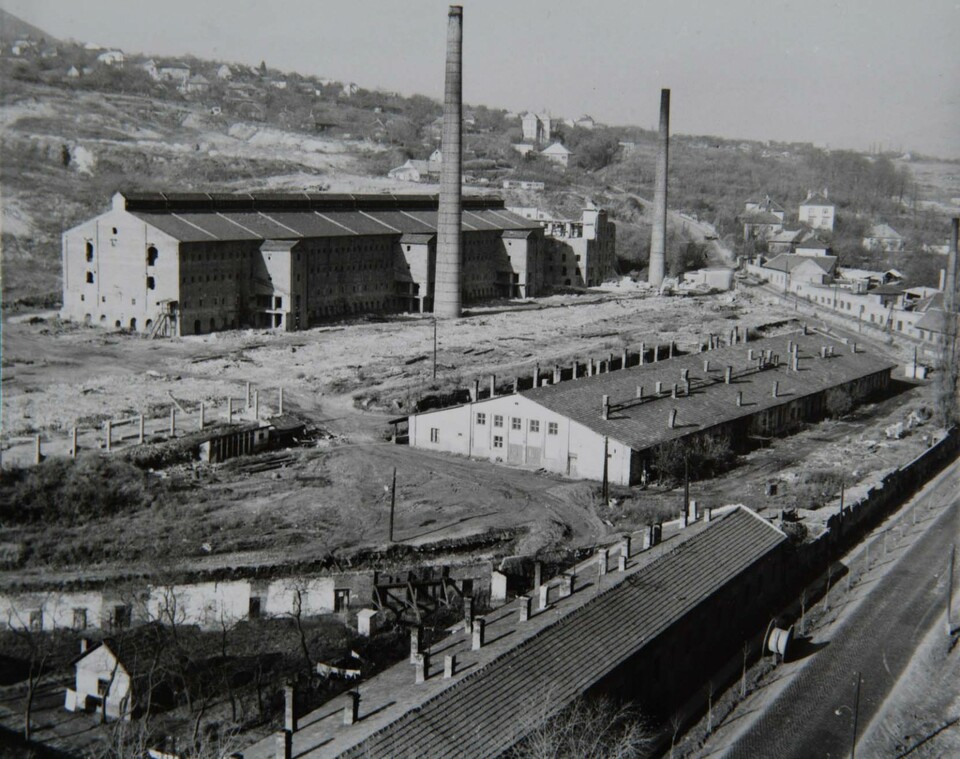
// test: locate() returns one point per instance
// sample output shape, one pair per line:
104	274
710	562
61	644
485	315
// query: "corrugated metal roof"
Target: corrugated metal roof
488	711
642	424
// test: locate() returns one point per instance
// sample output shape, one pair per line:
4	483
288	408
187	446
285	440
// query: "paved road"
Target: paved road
813	716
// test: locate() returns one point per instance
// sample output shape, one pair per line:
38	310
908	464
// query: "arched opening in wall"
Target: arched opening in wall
151	283
89	248
152	254
103	318
149	325
87	319
196	326
117	324
89	277
133	325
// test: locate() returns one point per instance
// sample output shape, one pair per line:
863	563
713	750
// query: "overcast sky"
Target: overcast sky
852	73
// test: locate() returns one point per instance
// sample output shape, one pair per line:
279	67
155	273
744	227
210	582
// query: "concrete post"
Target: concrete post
672	419
256	405
173	422
643	351
656	353
543	596
648	538
366	622
692	511
280	401
73	442
525	603
422	667
416	642
449	666
605	407
248	395
776	389
707	514
684	374
109	435
479	630
474	391
575	369
640	391
37	453
351	710
493	385
566	584
684	520
536	375
670	349
468	614
728	375
556	373
229	410
749	354
202	415
289	711
621	563
284	744
659	387
625	545
603	556
739	398
516	385
706	365
589	367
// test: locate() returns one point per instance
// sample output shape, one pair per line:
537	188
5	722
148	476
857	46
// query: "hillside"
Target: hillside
75	130
13	28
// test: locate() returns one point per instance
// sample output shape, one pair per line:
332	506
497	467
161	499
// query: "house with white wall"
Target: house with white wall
817	212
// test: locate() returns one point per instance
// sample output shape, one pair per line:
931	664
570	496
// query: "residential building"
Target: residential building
883	237
558	154
608	425
150	66
788	268
174	72
350	89
786	241
73	73
224	72
585	122
197	84
523	148
813	247
192	263
537	127
817	212
522	184
760	225
767	205
111	58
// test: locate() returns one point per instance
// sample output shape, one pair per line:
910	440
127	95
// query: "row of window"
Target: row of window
516	423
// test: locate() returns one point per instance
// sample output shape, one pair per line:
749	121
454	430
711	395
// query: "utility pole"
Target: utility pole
686	484
953	557
606	482
856	714
434	347
393	501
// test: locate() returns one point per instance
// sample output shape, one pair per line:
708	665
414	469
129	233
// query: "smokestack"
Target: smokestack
950	283
447	286
658	242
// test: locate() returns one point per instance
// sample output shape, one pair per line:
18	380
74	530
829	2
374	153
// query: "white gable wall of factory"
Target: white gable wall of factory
517	431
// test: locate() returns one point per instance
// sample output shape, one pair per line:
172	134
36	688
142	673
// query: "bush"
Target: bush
701	456
68	492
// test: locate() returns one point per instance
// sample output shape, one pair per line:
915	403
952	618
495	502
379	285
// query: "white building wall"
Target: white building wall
505	435
316	596
102	664
118	242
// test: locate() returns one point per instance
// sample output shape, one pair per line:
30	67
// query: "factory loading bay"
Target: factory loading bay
348	380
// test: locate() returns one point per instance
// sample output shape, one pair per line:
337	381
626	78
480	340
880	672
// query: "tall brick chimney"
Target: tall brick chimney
950	282
658	242
447	291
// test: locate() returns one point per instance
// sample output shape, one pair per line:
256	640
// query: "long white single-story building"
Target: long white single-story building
746	390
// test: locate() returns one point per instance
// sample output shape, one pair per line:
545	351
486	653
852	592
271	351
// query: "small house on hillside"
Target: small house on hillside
116	676
817	212
787	269
786	240
174	72
111	58
558	154
883	237
760	225
224	72
150	67
197	84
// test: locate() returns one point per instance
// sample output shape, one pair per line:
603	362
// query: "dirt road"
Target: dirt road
814	714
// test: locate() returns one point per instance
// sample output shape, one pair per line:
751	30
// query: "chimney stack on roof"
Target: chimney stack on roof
672	420
479	631
448	285
658	240
351	710
605	409
739	398
776	389
728	375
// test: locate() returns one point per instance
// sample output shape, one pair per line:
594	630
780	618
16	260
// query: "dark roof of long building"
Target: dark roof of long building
790	261
642	423
206	217
491	709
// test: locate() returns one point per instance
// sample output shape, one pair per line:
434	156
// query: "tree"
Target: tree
838	402
263	68
591	728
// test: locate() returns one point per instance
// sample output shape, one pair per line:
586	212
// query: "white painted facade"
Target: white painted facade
517	431
100	676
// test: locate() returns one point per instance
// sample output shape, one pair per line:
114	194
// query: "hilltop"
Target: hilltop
78	125
13	28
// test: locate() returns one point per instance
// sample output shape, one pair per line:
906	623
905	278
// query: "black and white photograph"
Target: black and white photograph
531	379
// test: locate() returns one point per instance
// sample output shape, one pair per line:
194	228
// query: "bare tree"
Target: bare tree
29	632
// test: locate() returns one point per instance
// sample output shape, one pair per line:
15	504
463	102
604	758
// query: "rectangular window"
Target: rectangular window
36	619
151	283
481	418
497	420
498	441
79	619
551	428
515	423
434	435
103	687
341	599
89	277
534	425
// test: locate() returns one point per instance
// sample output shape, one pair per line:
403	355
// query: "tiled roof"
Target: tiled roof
790	261
489	710
641	424
760	217
786	235
202	217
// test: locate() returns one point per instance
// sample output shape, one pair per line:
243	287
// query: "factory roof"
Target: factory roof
204	217
527	671
642	423
790	261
